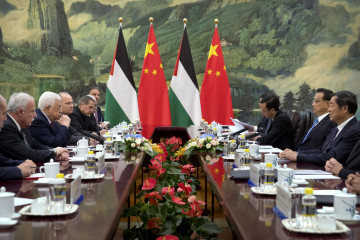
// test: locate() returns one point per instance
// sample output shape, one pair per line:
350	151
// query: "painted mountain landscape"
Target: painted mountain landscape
289	46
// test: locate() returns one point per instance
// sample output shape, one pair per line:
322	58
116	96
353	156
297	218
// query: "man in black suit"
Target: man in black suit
50	127
12	169
350	166
81	117
322	126
15	139
279	133
341	139
95	92
67	105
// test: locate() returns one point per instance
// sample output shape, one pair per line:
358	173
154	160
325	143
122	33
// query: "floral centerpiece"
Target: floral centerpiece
135	143
168	205
204	143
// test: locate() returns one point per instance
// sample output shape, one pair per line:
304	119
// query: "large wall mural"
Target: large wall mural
289	46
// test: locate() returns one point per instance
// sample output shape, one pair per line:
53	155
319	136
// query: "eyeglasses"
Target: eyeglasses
315	100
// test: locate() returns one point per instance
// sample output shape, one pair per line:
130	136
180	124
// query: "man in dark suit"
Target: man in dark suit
341	139
95	92
12	169
15	139
67	105
279	133
350	166
81	117
50	127
322	126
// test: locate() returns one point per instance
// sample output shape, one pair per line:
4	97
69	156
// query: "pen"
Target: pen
34	167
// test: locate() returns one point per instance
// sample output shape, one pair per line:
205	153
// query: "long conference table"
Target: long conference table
98	215
250	215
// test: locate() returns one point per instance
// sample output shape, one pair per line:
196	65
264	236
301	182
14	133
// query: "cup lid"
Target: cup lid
5	194
56	181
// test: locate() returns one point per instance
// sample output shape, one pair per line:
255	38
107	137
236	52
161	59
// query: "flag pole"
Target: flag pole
216	21
185	21
151	20
120	22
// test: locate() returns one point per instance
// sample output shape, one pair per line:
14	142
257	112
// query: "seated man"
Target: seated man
350	166
322	126
342	138
12	169
279	133
95	92
67	109
80	118
15	139
352	183
44	129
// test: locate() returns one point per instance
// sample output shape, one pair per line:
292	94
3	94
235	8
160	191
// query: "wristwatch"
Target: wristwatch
54	151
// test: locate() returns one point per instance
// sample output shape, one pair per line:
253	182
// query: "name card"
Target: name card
283	199
101	162
75	190
256	170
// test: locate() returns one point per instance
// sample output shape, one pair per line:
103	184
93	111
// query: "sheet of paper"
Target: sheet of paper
270	150
311	172
22	201
326	192
315	177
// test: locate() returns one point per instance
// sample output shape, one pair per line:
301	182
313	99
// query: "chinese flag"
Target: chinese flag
153	97
215	96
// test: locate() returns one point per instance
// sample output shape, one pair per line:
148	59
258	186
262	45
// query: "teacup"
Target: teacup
285	175
7	204
271	158
83	143
254	150
81	151
51	169
344	206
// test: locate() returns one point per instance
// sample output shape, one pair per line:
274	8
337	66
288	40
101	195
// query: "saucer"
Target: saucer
42	181
15	215
7	222
355	219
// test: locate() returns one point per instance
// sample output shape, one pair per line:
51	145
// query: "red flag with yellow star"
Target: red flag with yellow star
215	96
153	97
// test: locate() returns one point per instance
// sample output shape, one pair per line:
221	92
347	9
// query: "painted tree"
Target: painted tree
289	101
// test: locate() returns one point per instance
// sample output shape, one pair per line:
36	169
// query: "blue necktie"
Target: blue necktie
316	121
268	125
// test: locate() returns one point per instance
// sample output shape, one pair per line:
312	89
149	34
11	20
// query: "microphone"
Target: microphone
251	135
238	132
97	138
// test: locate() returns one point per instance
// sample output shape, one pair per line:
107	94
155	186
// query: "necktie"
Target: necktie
24	135
316	121
96	117
268	125
332	137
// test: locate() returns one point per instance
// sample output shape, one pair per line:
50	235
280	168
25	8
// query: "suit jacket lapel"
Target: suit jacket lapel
343	131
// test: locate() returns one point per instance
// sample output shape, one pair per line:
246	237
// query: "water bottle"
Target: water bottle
108	147
90	164
242	142
309	209
233	146
246	157
226	147
58	193
269	178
